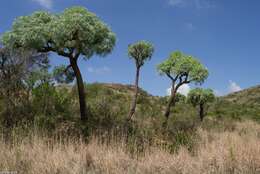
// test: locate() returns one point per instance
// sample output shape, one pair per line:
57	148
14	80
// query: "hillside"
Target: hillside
242	104
250	96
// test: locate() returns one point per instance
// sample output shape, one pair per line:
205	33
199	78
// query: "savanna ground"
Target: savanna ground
230	149
43	134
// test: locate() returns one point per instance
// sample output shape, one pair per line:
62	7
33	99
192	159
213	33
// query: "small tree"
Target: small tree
181	69
18	75
141	51
201	97
70	34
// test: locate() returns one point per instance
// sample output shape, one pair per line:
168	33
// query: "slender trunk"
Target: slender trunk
201	112
133	105
81	92
170	103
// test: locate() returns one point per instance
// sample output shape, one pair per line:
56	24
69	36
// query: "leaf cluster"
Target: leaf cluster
183	67
71	33
199	96
140	52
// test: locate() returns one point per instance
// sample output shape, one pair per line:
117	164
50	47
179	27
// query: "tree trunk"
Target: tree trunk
133	105
170	103
201	112
81	90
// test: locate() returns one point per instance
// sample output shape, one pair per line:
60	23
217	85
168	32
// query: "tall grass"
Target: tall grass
227	152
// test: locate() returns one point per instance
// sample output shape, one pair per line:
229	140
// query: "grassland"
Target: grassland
214	152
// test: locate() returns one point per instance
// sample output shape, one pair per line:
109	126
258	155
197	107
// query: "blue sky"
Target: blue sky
224	35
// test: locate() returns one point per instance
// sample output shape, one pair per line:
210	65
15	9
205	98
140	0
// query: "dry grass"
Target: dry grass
216	153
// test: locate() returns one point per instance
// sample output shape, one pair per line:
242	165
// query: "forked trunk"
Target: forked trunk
81	92
171	103
133	105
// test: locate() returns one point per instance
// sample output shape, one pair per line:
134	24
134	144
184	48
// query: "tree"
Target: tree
70	34
140	52
18	69
11	73
201	97
181	69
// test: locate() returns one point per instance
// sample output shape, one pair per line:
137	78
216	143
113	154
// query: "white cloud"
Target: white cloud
184	90
199	4
45	3
233	86
101	70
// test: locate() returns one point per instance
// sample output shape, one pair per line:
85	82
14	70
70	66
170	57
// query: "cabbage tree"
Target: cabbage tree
75	33
140	52
201	97
181	69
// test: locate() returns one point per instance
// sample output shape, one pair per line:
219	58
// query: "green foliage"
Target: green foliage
20	72
199	96
225	108
70	34
180	98
76	30
49	101
51	105
140	52
63	74
179	65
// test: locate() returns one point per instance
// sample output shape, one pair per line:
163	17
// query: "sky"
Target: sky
223	35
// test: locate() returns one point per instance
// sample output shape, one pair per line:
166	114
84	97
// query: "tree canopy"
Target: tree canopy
199	96
184	68
75	31
140	52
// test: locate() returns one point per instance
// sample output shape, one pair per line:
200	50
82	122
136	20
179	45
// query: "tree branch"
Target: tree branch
169	75
48	48
185	80
67	68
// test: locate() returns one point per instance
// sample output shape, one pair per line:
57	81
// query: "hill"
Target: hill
112	100
250	96
238	105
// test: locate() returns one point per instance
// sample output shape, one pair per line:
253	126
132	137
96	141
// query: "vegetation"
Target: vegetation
201	97
226	152
70	34
181	69
140	52
40	106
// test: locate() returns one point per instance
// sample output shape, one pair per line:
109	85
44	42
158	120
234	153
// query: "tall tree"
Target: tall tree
181	69
70	34
140	52
201	97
